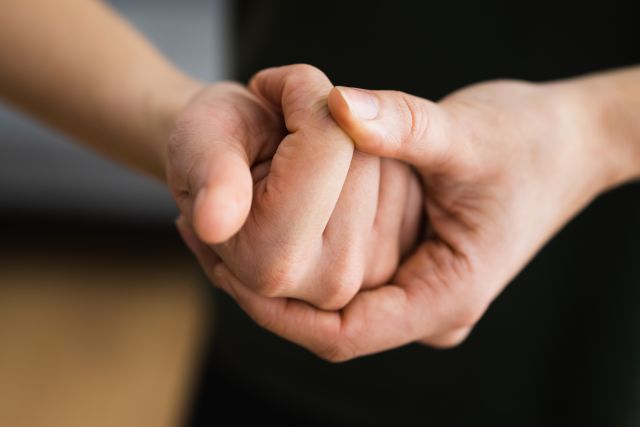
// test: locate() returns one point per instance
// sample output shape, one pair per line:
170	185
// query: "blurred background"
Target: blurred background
102	315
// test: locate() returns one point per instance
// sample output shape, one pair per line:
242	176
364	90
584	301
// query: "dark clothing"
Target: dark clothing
561	345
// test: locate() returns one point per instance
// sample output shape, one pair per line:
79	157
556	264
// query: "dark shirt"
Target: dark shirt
561	345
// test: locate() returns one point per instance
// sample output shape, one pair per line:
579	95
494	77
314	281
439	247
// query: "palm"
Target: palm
487	216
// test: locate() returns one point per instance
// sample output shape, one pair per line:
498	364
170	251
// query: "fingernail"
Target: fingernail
361	103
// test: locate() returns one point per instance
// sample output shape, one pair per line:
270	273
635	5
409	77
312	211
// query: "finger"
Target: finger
414	215
294	320
309	167
427	298
395	124
384	248
447	340
339	273
210	154
376	320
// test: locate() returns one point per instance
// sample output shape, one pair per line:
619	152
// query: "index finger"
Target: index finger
375	320
311	164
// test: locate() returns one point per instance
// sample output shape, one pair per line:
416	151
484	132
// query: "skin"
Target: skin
112	91
318	221
504	165
267	182
109	89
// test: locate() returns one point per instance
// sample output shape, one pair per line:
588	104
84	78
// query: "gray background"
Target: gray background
42	171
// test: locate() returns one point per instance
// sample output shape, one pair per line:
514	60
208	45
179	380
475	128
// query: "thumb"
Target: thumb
222	188
393	124
213	145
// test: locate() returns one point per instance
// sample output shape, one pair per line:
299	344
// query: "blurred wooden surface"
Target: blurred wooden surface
94	335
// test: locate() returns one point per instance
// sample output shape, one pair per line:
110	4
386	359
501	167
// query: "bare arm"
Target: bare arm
79	67
504	165
612	102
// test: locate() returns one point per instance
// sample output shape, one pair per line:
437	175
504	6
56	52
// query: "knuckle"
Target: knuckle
341	286
304	92
297	79
303	80
381	271
449	341
265	322
415	117
339	294
467	315
336	355
306	70
337	352
280	276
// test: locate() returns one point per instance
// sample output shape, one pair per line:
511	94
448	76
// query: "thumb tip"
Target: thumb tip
360	104
337	104
219	214
356	111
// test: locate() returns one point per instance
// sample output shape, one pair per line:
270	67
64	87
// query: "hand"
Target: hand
312	220
504	165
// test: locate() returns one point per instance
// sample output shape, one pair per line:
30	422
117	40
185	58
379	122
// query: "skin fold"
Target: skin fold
319	220
306	202
504	165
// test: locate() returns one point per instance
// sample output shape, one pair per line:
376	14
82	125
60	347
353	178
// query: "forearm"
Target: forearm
79	67
610	106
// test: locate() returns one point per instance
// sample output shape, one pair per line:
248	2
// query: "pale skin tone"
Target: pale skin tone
504	165
111	90
322	221
308	234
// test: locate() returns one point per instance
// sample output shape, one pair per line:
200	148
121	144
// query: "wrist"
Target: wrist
605	111
162	109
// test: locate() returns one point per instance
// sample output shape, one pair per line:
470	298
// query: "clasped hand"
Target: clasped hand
352	221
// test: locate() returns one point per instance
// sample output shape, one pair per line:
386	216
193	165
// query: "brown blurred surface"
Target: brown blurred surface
98	327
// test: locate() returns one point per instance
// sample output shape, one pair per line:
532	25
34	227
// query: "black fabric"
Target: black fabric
561	345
